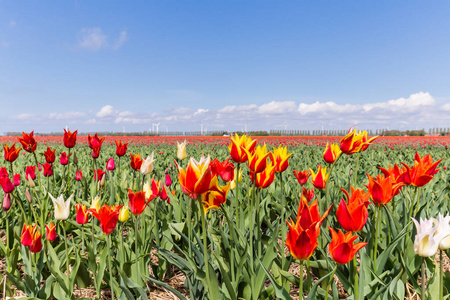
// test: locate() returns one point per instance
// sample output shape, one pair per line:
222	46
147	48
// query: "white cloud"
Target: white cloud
445	107
106	111
93	39
120	40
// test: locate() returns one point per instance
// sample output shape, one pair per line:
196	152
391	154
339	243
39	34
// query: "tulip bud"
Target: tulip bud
147	165
64	159
102	182
168	180
6	202
78	175
16	179
30	181
28	195
110	164
75	159
124	214
95	204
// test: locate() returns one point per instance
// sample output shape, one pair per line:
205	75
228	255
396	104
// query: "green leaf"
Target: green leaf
280	292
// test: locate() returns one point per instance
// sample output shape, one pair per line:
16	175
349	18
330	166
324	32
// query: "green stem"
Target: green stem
205	247
231	229
355	174
39	173
258	223
82	238
355	285
378	220
441	275
110	267
283	218
19	202
122	248
330	281
300	284
422	295
308	273
252	205
189	223
67	254
418	201
136	248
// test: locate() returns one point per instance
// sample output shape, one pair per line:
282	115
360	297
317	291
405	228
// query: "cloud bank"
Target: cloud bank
93	39
419	110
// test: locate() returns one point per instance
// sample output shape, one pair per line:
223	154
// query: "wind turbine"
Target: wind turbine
157	127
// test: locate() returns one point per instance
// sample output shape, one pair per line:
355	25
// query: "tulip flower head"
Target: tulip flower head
422	172
121	149
36	245
70	138
62	207
49	155
124	214
12	153
355	142
280	158
428	238
302	176
353	216
147	165
382	190
444	226
307	194
30	172
331	153
16	179
48	169
136	162
82	214
137	202
257	161
108	217
110	165
95	143
168	180
64	158
6	184
98	174
341	247
320	180
240	146
215	196
28	142
223	169
181	150
197	176
265	178
51	232
28	231
302	242
95	204
6	205
78	175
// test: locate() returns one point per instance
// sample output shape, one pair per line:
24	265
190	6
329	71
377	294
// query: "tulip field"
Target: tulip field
238	217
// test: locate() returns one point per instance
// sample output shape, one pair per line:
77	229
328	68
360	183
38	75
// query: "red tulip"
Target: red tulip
302	241
26	238
265	178
6	202
341	247
223	169
64	159
108	217
353	216
70	138
6	184
36	245
30	172
302	176
110	166
137	202
197	177
382	190
12	153
49	155
82	214
16	179
136	162
51	232
28	142
78	175
48	169
168	180
422	172
121	149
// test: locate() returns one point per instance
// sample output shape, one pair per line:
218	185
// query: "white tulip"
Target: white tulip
181	150
444	226
62	208
428	238
147	165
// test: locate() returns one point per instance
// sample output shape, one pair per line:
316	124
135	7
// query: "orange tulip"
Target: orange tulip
308	214
382	190
422	172
12	153
280	158
215	196
82	214
302	241
264	179
137	202
136	162
341	247
355	142
197	177
51	232
239	145
353	216
396	174
121	149
257	161
320	180
331	153
28	142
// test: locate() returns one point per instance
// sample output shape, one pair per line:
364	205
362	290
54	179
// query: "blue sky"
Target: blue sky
109	65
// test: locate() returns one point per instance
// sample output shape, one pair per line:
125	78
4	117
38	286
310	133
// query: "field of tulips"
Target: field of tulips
352	217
